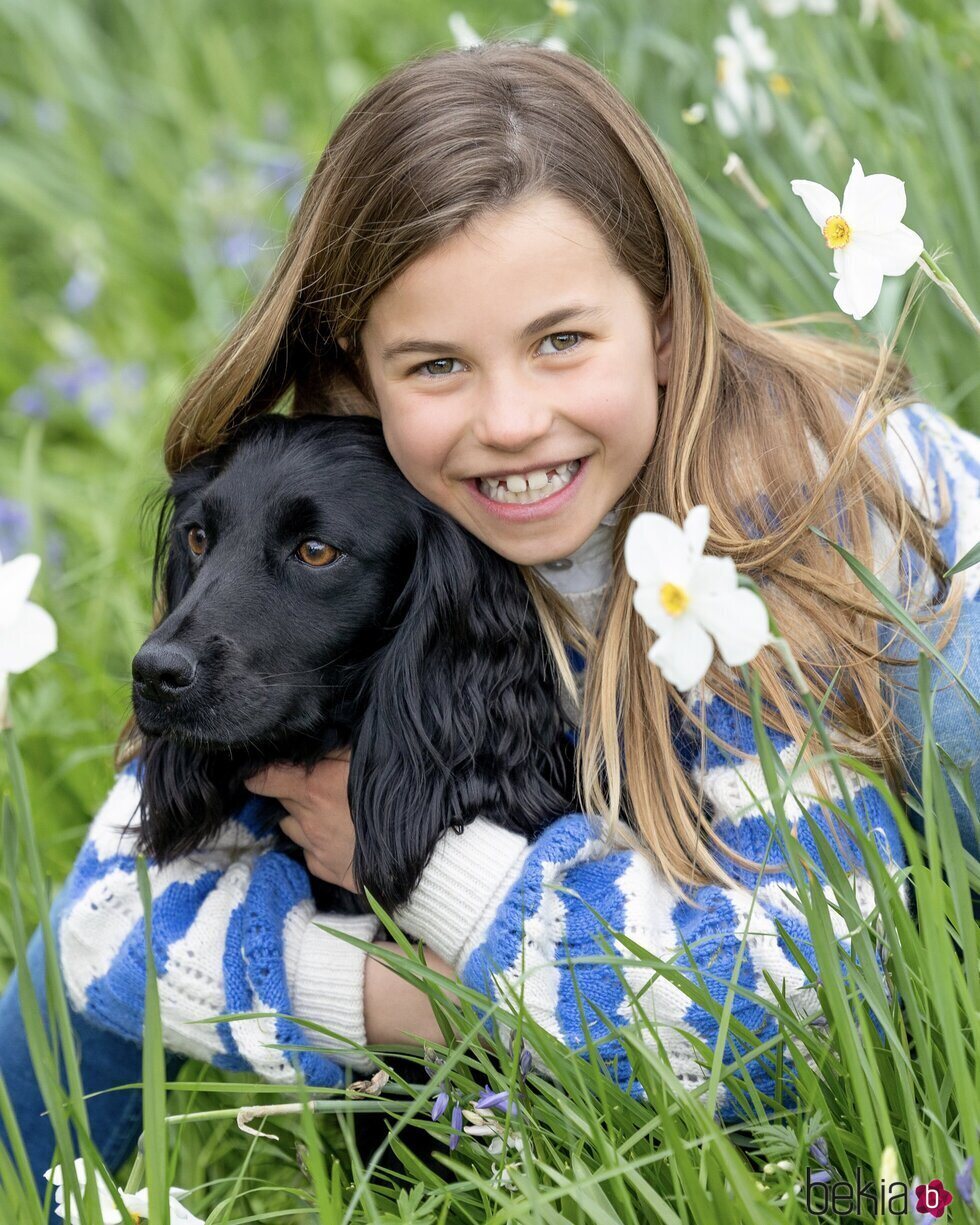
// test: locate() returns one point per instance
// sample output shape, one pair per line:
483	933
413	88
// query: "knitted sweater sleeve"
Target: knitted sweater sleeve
231	927
520	920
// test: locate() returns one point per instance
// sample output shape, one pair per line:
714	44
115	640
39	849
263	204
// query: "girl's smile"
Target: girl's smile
527	435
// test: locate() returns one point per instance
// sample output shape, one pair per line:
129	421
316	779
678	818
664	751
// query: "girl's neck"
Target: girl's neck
590	566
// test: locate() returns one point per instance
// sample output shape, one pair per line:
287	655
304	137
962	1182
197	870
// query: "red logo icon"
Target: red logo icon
932	1198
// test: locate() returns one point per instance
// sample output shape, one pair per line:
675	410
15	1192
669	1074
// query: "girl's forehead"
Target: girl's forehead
544	248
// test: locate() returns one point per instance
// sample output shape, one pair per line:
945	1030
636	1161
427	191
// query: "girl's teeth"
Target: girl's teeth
532	487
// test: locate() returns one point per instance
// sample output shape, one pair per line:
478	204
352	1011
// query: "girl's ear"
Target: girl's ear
463	717
662	335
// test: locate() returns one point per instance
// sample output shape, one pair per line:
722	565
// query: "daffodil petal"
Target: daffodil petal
874	204
712	576
16	580
739	624
28	640
895	251
696	525
684	654
855	178
656	551
647	602
820	202
860	282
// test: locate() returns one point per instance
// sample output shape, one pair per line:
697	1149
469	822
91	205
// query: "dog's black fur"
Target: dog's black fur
418	646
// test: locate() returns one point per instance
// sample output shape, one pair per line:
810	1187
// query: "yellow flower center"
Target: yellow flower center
721	69
779	84
837	232
562	8
674	599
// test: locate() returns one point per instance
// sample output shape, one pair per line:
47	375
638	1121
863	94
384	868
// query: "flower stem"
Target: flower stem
938	277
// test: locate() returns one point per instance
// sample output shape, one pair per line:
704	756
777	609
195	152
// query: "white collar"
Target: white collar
590	566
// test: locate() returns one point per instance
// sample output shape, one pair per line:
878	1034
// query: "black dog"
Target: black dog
314	599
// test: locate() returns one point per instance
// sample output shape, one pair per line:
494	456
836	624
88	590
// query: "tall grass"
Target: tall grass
158	150
894	1067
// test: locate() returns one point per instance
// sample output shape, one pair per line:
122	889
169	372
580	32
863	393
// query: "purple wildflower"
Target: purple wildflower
964	1182
100	413
30	401
14	527
457	1126
819	1153
82	290
240	247
488	1100
49	114
132	376
820	1176
439	1107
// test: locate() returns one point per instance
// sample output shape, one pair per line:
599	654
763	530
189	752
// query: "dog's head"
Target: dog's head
314	598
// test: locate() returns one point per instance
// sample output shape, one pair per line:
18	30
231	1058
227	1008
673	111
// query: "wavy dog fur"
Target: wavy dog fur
417	646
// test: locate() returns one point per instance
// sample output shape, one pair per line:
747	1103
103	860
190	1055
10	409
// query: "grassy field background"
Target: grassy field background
152	154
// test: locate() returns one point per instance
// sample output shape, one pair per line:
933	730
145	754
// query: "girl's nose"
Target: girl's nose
511	415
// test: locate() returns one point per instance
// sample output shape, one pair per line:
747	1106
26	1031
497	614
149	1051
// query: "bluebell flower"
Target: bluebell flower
282	168
30	401
15	524
240	247
524	1064
49	114
439	1107
83	288
819	1153
488	1100
820	1176
964	1182
457	1126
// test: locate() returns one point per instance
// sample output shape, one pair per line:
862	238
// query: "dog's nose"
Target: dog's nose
162	672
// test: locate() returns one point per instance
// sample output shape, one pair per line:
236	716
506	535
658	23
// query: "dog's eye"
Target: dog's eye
316	553
197	540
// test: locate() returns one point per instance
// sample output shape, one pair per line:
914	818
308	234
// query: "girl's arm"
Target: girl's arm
512	918
231	926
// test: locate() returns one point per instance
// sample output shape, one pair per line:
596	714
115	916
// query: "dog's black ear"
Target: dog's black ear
463	716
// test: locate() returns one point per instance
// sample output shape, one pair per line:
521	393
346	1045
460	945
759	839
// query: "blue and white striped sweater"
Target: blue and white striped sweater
234	927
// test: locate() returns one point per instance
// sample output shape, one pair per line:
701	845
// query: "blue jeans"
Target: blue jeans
956	725
105	1060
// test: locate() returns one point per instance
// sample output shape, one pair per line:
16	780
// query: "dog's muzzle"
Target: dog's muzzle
162	673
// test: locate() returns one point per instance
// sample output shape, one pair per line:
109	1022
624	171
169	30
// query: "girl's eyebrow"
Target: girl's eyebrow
560	314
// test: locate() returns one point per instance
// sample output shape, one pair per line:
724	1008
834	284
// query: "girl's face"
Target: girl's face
511	349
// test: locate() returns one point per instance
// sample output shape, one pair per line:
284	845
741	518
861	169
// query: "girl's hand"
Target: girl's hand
319	817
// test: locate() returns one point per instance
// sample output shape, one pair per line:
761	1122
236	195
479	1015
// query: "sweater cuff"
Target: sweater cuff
327	985
462	887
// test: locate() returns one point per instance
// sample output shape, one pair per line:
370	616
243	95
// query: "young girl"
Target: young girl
495	257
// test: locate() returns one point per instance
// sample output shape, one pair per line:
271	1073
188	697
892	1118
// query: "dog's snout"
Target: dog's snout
162	672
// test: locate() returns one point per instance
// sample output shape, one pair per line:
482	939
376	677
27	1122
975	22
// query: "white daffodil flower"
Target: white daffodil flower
688	599
463	33
137	1204
27	633
785	8
865	233
740	101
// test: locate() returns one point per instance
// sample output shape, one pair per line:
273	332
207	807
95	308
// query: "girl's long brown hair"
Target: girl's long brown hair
748	409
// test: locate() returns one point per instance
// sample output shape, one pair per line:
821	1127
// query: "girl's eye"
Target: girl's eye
197	540
565	336
316	553
423	369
